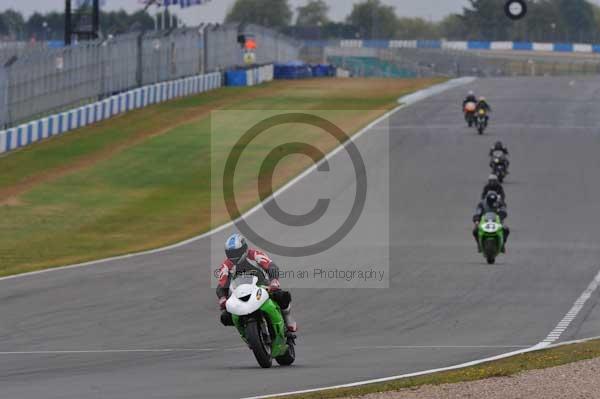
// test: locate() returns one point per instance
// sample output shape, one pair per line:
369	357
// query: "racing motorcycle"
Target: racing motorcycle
469	112
481	121
498	165
260	323
490	236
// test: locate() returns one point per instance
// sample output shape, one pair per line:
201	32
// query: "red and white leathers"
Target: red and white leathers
257	263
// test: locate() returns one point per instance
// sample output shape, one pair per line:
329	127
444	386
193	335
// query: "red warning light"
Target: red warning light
250	44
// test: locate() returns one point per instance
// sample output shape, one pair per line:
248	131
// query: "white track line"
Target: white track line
117	351
546	343
404	102
386	347
493	125
106	351
572	314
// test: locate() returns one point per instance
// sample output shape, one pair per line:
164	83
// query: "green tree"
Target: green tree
486	20
275	14
314	13
374	20
4	28
453	27
416	28
578	17
14	23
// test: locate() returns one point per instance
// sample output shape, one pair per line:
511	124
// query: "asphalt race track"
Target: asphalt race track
147	326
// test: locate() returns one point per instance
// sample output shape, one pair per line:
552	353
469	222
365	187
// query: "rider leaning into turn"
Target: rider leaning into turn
491	203
243	260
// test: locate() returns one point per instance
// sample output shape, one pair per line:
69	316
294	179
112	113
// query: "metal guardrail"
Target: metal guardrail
38	81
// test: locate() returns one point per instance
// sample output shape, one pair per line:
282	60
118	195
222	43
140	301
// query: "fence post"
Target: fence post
140	60
3	97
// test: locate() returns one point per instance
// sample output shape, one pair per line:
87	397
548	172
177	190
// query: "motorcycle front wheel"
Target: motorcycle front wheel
262	351
489	249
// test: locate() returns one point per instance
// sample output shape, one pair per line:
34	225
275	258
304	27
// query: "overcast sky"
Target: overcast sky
216	9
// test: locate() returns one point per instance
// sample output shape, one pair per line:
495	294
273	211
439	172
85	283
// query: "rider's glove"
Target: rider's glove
222	302
274	285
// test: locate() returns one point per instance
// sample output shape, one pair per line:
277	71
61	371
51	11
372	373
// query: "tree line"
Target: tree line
547	20
51	25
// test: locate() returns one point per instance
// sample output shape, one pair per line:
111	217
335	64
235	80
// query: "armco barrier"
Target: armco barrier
31	132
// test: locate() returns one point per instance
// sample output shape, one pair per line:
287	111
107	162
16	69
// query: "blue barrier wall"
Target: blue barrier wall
527	46
478	45
292	71
236	78
429	44
460	45
563	47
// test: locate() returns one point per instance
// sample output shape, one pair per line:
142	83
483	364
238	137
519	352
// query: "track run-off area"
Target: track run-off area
147	326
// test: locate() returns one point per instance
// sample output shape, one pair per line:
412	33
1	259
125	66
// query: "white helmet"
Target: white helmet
236	248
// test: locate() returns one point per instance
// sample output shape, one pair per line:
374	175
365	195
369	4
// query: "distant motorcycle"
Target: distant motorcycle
260	323
469	112
481	121
491	236
499	167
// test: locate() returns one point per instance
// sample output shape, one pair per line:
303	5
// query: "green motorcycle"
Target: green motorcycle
260	323
491	236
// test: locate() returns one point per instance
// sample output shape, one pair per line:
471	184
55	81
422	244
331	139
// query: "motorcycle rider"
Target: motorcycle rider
471	98
499	151
482	104
244	260
491	203
494	185
498	148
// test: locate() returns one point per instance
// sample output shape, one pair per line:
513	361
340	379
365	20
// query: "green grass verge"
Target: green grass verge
500	368
142	180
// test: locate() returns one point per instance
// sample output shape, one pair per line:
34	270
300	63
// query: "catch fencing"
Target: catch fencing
426	62
35	82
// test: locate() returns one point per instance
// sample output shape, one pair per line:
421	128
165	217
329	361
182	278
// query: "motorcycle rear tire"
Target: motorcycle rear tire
289	357
262	352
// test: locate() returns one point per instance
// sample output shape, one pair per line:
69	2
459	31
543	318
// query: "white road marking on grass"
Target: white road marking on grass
404	102
562	326
546	343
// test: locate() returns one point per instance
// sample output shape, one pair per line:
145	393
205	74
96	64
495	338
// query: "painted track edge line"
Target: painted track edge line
544	344
404	102
533	348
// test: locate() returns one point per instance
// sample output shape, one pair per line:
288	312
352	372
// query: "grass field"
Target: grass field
500	368
142	180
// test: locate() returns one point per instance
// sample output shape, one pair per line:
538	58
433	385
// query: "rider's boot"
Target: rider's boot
289	320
